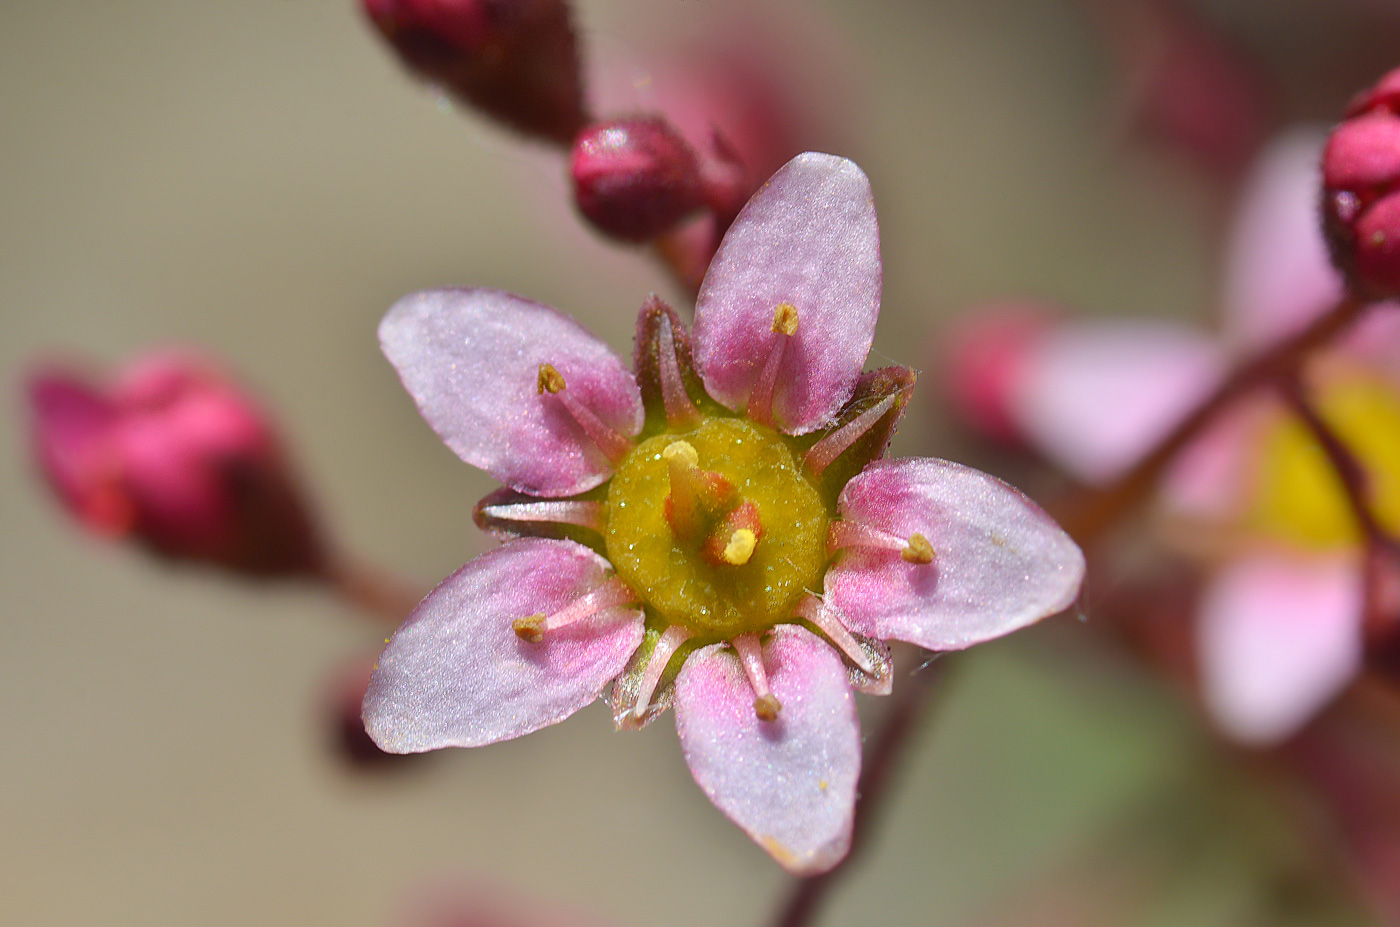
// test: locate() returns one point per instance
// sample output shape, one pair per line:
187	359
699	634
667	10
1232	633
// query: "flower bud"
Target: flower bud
635	178
1361	190
176	457
984	362
514	60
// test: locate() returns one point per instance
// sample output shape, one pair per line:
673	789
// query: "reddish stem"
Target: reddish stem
375	592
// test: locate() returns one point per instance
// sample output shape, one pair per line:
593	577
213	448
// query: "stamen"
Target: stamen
613	444
666	646
680	410
760	407
765	703
829	622
682	505
915	549
610	594
734	539
580	512
821	454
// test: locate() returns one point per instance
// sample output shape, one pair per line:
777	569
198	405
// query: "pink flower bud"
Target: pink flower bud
635	178
1361	190
514	60
984	362
174	456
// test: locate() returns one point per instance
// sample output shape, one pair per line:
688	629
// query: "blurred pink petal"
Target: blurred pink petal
72	426
789	783
1095	396
1000	563
808	239
471	360
1278	277
457	675
1210	478
983	362
1279	637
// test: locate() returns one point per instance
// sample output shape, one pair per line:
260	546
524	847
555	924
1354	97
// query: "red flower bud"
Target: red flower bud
985	357
177	458
635	178
514	60
1361	190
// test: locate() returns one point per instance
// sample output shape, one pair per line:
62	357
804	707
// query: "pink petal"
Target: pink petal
1000	563
1278	277
789	783
1279	637
471	359
1094	397
72	426
1210	478
809	237
457	675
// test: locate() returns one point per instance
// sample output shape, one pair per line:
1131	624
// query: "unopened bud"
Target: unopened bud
635	178
178	458
514	60
1361	191
985	358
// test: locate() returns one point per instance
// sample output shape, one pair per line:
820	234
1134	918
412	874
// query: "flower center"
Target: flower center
717	530
1299	498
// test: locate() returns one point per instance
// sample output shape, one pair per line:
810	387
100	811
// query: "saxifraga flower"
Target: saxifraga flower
716	532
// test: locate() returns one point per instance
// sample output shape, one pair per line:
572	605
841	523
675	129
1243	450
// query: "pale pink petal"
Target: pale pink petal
1000	563
808	238
1094	397
1210	478
470	359
457	675
1278	277
789	783
1279	637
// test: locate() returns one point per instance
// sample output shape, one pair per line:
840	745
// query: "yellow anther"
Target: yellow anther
918	551
785	318
550	380
740	547
682	452
530	628
767	707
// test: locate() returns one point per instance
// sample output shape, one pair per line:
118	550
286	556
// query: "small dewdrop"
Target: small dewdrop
530	628
785	319
740	547
919	550
550	380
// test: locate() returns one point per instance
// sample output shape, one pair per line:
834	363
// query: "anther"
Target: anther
833	445
915	549
765	704
613	445
827	620
612	593
760	407
740	547
666	646
680	410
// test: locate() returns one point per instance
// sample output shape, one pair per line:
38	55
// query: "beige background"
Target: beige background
257	176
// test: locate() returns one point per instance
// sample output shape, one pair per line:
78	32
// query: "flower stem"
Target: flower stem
377	593
1095	511
907	708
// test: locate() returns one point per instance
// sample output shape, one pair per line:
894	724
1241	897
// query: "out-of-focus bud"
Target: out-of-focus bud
342	697
175	456
1361	190
515	60
984	361
636	177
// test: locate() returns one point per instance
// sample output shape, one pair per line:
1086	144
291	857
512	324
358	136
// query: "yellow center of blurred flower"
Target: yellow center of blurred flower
1299	498
718	530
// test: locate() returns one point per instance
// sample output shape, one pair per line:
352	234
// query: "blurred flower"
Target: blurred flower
514	60
1361	189
1255	497
635	178
682	521
473	902
982	360
175	456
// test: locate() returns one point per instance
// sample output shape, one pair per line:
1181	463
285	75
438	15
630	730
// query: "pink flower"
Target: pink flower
1279	624
175	456
714	532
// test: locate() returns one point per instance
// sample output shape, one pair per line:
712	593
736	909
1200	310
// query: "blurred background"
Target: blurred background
260	178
